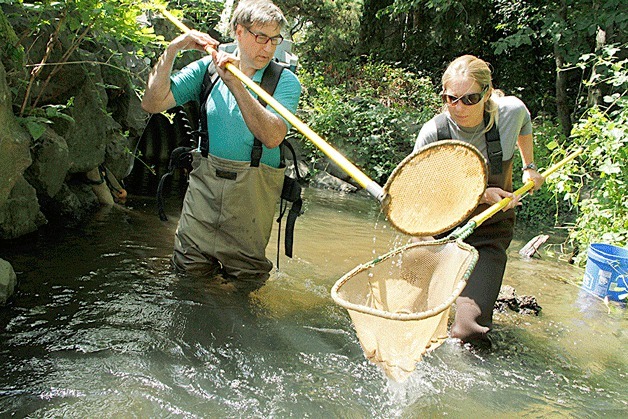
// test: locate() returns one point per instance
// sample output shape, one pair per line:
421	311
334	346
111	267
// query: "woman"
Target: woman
476	113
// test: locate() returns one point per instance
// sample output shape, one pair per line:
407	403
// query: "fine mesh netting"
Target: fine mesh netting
435	188
399	303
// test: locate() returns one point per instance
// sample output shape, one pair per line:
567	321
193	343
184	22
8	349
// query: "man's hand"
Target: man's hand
193	40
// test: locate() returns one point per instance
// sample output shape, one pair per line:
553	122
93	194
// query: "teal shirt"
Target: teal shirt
229	137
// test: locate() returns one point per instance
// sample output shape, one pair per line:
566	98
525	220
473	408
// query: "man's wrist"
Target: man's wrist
529	166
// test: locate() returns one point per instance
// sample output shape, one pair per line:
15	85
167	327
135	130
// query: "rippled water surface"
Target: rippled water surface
101	327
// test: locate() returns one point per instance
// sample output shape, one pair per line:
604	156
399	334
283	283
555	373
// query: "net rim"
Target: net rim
406	316
479	158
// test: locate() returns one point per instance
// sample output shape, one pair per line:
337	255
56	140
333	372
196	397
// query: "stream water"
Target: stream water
101	327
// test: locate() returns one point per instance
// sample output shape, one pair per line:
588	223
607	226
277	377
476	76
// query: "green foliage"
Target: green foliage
36	123
117	19
324	29
598	185
205	14
369	112
425	35
544	208
52	32
11	53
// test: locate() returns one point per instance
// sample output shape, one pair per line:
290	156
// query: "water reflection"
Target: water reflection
101	326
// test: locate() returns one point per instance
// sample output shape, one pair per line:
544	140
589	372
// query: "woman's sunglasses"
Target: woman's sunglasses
470	99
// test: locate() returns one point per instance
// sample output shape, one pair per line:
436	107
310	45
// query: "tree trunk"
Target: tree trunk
594	95
562	105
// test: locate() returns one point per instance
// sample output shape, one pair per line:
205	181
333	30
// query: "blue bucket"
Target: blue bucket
606	273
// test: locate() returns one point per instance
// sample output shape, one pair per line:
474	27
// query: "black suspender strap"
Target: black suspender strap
209	80
269	82
442	127
291	192
493	147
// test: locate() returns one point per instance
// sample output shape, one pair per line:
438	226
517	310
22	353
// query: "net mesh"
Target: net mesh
435	188
415	286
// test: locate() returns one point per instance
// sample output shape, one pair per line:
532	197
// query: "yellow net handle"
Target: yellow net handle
362	179
492	210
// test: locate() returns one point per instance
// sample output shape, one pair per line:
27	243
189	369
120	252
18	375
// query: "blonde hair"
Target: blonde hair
249	12
478	70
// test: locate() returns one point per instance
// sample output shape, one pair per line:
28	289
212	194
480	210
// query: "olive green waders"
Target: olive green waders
227	217
474	307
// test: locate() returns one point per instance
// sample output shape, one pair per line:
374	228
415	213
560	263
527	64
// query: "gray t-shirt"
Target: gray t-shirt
513	120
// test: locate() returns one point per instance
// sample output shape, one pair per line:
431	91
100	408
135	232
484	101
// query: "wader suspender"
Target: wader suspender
493	145
269	82
291	191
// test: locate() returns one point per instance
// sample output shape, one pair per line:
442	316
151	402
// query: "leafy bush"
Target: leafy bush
370	112
598	186
544	208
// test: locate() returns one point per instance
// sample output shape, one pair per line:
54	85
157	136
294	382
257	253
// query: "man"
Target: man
229	206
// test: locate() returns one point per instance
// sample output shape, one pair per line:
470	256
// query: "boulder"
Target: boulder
20	213
50	164
508	299
324	180
72	204
8	281
87	136
14	143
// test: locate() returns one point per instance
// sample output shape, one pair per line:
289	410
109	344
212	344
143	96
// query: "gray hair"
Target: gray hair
478	70
263	12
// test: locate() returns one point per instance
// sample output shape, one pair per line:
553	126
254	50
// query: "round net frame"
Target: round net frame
435	188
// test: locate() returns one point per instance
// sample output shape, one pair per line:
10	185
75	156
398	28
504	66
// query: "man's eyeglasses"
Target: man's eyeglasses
263	39
470	99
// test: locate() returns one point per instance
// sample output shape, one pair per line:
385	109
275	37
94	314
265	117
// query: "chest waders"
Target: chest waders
228	210
474	307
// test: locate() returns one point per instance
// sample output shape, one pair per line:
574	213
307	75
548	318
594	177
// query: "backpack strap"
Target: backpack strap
209	81
269	82
291	192
493	147
294	196
442	127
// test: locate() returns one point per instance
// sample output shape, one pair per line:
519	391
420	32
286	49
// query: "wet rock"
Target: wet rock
8	280
14	143
326	181
72	204
508	300
50	164
20	214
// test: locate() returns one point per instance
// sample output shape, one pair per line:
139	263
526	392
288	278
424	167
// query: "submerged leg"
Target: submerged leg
474	307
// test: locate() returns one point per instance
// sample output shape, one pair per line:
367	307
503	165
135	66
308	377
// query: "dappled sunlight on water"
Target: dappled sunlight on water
100	326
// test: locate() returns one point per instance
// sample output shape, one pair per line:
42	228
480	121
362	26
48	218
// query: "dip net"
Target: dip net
399	303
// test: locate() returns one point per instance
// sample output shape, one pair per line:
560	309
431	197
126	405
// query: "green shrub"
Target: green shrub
544	208
598	185
369	112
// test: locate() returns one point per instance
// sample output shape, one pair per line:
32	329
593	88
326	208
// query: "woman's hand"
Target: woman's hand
494	195
533	175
